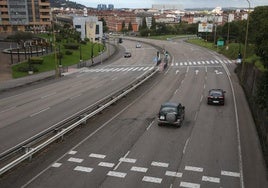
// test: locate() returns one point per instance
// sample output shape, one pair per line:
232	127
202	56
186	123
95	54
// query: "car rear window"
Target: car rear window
216	93
168	109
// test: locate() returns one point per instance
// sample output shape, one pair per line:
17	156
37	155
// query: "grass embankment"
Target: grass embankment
232	51
50	60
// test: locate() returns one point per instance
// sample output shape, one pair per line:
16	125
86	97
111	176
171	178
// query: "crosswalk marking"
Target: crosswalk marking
121	69
204	62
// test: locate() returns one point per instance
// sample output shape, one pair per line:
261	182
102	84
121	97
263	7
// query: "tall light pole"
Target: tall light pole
245	47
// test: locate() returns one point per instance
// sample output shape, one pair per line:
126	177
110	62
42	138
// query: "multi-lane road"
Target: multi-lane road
217	146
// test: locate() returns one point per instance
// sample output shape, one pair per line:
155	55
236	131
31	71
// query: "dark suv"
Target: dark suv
216	96
171	114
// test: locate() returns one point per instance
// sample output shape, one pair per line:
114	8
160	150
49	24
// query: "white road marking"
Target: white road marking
185	145
99	156
73	97
8	109
83	169
127	160
48	95
105	164
150	125
152	179
117	174
121	161
139	169
193	168
75	160
56	165
228	173
159	164
211	179
32	115
173	174
72	152
189	185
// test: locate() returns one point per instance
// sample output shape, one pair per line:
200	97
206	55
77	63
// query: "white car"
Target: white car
138	45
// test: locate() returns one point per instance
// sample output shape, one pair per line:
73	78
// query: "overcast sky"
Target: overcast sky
184	3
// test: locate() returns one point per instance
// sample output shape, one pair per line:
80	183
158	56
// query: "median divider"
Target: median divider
57	131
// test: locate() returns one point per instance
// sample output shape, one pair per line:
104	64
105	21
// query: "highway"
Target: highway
124	147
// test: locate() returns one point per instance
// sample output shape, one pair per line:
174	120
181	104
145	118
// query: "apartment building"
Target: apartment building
24	15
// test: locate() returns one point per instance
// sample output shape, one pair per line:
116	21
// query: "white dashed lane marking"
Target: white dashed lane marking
152	179
189	185
83	169
211	179
159	164
173	174
127	160
139	169
56	165
228	173
72	152
105	164
192	168
99	156
117	174
75	160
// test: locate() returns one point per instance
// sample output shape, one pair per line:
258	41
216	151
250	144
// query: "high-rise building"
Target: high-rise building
24	15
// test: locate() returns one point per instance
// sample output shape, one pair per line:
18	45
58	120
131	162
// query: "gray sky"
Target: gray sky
184	3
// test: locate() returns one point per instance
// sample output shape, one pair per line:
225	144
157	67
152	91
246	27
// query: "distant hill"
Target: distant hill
65	4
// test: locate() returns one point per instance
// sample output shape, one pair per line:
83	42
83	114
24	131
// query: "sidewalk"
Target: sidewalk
13	83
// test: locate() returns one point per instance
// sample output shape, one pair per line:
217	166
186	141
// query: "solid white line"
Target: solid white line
211	179
193	168
32	115
83	169
228	173
139	169
99	156
237	130
105	164
75	160
173	174
152	179
189	185
117	174
159	164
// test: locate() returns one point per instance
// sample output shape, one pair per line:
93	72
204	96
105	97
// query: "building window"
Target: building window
78	26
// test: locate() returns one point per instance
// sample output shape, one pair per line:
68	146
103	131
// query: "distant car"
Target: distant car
216	96
171	114
127	54
138	45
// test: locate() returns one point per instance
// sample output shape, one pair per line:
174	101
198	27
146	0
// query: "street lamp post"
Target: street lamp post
246	41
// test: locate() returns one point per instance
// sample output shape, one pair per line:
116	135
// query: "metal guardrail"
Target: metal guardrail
65	125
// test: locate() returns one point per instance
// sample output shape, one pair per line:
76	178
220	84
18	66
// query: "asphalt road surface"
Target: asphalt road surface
216	146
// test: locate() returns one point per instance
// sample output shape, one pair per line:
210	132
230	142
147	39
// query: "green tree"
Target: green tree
258	32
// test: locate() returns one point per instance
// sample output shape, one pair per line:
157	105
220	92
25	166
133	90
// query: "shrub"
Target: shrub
68	52
27	68
36	60
71	46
